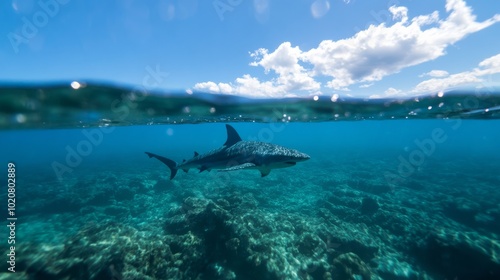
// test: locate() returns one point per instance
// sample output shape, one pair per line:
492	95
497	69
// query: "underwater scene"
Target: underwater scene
179	186
249	140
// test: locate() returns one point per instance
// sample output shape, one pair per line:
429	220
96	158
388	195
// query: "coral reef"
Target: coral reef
140	225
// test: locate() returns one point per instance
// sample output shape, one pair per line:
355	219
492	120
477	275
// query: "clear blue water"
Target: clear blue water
405	192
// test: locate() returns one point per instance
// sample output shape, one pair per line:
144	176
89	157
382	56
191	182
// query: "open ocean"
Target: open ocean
393	189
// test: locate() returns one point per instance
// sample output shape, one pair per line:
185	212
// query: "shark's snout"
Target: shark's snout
299	156
303	156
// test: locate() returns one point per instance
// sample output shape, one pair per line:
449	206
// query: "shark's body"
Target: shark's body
236	154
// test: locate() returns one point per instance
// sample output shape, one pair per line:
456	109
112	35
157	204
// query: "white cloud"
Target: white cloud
207	86
284	61
399	13
214	88
248	85
367	57
489	66
486	67
382	50
435	84
245	85
435	73
390	92
366	85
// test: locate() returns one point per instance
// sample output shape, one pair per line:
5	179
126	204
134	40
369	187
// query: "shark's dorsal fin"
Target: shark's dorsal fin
232	136
196	153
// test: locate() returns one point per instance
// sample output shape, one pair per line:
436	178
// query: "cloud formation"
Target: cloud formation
489	66
367	57
435	73
382	50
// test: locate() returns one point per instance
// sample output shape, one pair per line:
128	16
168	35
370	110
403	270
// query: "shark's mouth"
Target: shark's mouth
291	162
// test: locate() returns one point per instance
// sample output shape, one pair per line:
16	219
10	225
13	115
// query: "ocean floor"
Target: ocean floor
322	219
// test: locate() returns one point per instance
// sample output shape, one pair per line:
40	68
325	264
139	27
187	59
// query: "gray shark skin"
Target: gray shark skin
237	154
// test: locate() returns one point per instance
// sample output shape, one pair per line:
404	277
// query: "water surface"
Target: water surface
394	189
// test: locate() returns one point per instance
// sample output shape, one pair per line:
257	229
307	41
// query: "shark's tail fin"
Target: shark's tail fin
168	162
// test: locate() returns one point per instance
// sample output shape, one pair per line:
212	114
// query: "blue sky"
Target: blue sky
256	47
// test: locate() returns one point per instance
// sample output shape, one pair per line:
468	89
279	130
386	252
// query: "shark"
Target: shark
237	154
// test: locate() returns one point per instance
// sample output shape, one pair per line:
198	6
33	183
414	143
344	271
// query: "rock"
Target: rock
310	245
350	266
369	206
114	210
233	244
104	251
452	255
124	194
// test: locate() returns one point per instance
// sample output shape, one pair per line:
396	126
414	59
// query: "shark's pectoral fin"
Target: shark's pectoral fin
264	171
203	168
239	167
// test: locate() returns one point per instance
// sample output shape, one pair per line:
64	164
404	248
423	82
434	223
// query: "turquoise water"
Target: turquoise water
394	189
